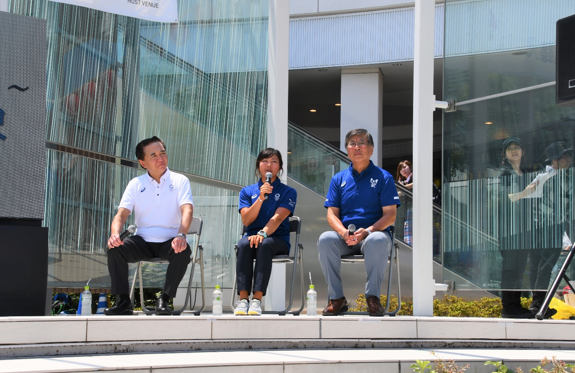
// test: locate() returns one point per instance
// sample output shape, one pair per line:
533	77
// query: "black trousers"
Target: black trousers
263	269
542	263
513	268
136	249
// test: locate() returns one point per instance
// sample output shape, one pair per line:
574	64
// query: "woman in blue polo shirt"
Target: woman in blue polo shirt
265	208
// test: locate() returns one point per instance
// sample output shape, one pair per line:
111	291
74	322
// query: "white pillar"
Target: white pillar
278	74
423	107
362	106
3	5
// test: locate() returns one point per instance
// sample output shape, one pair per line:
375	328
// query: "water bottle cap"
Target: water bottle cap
312	286
217	286
86	287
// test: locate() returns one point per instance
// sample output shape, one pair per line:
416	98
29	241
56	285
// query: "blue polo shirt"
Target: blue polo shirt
361	197
281	196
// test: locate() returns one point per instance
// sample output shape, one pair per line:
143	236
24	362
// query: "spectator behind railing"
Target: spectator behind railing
512	223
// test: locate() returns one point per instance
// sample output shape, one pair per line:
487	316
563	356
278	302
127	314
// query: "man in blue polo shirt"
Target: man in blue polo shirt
363	195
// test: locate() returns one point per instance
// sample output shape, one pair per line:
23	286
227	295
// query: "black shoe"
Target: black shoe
122	307
535	307
517	313
550	313
162	307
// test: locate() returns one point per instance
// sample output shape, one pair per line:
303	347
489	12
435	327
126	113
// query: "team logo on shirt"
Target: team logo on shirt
373	182
291	203
343	184
277	197
171	186
142	191
254	196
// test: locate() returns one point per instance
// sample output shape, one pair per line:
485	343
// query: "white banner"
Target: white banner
151	10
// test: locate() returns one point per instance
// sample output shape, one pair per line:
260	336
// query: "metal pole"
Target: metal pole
423	107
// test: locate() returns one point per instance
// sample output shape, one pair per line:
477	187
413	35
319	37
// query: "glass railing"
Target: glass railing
313	162
404	221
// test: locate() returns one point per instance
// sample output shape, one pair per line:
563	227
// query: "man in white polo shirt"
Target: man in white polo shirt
161	201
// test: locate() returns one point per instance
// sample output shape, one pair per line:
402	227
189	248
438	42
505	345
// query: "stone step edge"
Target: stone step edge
125	347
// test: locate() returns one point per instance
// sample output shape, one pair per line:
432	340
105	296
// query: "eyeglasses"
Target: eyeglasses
353	144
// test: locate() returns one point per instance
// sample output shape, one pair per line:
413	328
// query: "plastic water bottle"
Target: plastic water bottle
86	302
311	301
217	309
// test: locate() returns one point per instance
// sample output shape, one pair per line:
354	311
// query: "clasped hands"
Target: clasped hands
355	238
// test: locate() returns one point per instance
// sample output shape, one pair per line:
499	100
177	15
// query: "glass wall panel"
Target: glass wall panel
508	175
199	84
82	196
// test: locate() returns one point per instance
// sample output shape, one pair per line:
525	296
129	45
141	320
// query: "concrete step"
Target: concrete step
284	361
82	335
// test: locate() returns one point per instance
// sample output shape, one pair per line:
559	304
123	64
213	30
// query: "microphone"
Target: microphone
268	180
131	229
351	229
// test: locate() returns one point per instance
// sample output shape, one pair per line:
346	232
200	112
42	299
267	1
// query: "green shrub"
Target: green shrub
449	366
449	305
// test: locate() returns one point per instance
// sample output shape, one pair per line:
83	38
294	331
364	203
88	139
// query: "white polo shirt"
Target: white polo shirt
156	207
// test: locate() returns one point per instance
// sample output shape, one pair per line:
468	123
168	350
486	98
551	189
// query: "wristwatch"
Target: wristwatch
263	234
368	231
183	235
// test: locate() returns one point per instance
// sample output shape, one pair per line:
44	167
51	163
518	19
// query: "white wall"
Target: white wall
3	5
362	106
309	7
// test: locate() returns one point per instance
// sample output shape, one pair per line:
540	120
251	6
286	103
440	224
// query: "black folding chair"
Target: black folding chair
297	257
195	228
392	258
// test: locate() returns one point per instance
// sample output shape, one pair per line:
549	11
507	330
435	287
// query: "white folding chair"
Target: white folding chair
297	257
195	228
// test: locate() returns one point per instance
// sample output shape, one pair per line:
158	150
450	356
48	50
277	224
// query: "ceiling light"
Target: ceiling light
322	70
313	110
337	104
488	123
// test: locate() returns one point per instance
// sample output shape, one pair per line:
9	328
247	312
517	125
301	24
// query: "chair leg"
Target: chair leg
389	278
134	282
396	260
233	298
198	312
302	284
142	301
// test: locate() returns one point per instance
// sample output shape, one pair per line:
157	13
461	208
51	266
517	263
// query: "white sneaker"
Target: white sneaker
255	308
241	307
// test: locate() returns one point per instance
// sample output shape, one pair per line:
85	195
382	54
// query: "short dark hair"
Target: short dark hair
358	131
142	144
267	153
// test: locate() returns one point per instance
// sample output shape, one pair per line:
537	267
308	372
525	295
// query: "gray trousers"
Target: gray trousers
375	248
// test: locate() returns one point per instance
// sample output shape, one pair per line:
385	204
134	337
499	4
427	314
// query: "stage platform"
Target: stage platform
139	343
